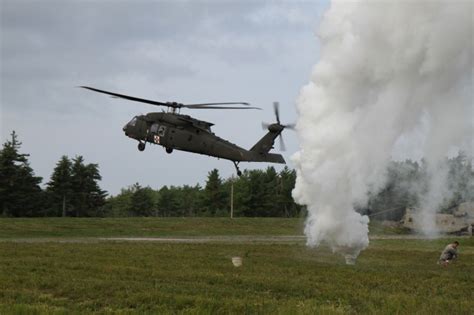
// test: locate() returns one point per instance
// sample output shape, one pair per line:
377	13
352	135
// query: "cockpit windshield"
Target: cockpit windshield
133	122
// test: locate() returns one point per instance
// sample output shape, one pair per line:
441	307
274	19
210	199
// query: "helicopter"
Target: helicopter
173	130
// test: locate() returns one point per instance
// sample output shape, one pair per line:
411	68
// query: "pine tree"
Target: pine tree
119	205
287	179
60	187
189	200
20	194
257	194
142	202
168	203
87	196
242	196
213	193
270	197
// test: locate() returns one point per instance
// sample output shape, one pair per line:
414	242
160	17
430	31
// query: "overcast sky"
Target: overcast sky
185	51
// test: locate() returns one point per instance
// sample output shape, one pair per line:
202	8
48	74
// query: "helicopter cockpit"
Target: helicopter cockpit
135	128
132	122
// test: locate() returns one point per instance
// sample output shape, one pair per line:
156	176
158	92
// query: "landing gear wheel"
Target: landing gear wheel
141	146
236	164
169	150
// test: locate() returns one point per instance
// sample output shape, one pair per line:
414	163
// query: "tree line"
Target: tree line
73	190
257	193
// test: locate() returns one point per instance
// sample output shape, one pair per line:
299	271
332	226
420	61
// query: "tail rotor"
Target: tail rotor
278	127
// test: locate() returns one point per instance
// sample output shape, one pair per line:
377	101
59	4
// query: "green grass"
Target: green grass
158	227
146	227
390	277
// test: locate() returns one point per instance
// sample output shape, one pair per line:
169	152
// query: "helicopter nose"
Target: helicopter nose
125	129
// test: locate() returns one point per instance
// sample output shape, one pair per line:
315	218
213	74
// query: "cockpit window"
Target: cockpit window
133	122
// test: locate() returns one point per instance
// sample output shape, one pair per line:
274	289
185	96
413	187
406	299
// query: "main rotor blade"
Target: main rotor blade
223	103
173	104
131	98
221	107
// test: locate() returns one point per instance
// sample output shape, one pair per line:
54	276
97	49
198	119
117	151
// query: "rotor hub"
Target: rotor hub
276	127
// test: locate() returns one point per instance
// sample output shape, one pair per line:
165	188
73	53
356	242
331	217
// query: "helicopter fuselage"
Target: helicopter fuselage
185	133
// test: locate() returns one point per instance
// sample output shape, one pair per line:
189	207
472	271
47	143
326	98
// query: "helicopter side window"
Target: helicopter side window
154	128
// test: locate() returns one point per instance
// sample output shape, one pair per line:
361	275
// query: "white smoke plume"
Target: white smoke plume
393	78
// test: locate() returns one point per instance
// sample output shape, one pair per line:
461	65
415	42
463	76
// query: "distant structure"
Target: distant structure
461	220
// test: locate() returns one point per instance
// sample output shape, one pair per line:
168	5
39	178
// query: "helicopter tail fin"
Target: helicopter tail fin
265	144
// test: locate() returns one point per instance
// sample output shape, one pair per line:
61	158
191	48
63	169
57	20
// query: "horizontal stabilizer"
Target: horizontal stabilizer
273	158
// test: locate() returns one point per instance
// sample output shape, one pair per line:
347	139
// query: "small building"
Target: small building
462	219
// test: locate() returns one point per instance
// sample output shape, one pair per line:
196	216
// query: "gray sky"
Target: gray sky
185	51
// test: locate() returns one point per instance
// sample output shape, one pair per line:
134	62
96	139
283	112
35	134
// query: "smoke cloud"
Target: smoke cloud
394	79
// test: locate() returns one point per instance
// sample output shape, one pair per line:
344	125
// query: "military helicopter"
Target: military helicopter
173	130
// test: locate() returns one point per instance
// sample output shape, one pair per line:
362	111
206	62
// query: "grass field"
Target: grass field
157	227
50	277
147	227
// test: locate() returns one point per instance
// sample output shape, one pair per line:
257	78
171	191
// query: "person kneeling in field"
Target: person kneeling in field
449	253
